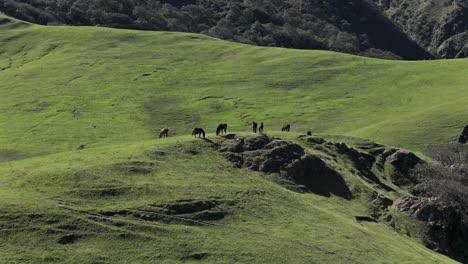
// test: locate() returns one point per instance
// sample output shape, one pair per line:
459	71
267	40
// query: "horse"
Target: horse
309	133
164	132
286	127
198	131
254	127
260	128
222	128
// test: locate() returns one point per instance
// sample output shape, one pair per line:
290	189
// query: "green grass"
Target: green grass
60	81
112	90
46	198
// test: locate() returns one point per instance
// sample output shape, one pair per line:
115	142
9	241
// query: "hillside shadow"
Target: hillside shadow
318	177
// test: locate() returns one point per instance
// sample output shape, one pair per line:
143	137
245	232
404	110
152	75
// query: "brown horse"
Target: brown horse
286	127
254	127
164	132
260	128
198	131
222	128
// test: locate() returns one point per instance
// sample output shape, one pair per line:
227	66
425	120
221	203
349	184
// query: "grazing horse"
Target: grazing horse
309	133
254	127
260	128
164	132
286	127
198	131
222	128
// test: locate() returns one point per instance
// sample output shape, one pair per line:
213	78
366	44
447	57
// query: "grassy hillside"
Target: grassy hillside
127	197
104	205
63	87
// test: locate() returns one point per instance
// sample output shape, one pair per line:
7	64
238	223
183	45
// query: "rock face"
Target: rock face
447	227
402	162
464	136
289	160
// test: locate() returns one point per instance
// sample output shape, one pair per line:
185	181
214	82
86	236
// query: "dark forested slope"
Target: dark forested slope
356	27
440	26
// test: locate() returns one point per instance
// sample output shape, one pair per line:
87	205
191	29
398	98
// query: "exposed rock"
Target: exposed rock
402	162
291	161
381	201
312	172
360	159
447	230
464	136
254	143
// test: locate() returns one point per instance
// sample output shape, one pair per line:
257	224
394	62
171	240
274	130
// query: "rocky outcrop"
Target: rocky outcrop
447	226
403	161
289	160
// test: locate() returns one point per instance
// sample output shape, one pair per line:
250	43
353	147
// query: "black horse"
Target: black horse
198	131
286	127
222	129
260	128
254	127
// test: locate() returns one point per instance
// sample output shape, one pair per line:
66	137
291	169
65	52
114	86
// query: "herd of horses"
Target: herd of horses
222	130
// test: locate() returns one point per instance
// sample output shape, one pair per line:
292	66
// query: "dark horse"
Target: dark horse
260	128
286	127
164	132
254	127
198	131
222	128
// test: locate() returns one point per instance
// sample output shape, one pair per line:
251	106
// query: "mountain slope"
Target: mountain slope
439	26
64	87
356	27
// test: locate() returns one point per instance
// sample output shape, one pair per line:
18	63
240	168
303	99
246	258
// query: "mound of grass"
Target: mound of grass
180	200
64	87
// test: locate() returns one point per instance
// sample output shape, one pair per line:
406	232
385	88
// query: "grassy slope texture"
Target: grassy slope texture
126	197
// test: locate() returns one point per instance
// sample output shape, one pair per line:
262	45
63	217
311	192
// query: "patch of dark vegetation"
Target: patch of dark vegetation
209	97
136	167
361	219
4	20
195	256
186	212
10	155
69	239
101	192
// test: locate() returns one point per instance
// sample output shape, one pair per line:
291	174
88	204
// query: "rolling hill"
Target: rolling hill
63	87
83	179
